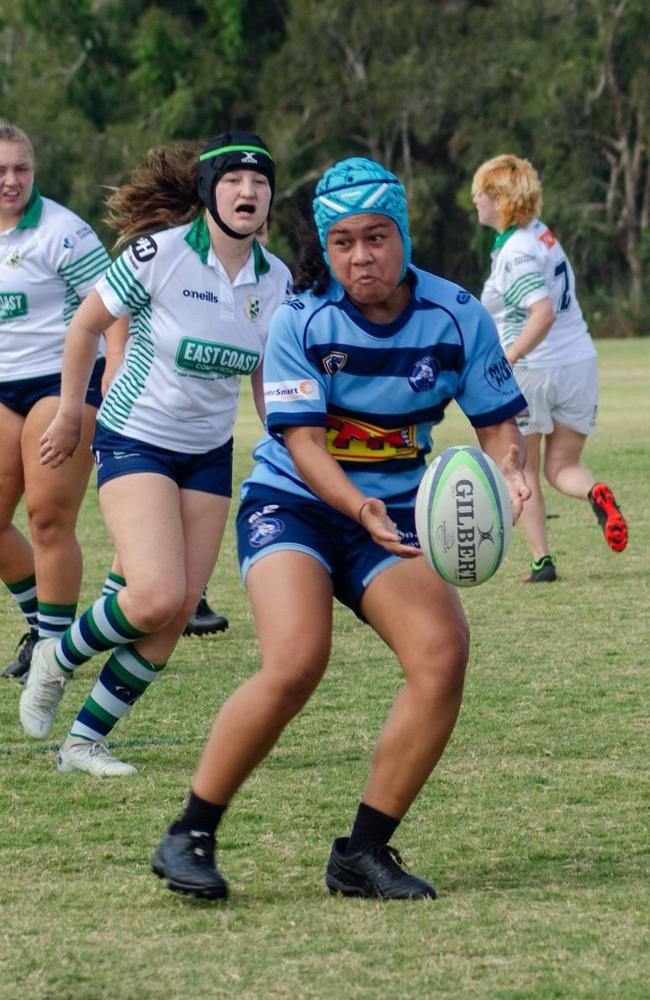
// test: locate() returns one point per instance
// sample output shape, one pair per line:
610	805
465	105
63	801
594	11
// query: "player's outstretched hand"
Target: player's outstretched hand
60	440
513	474
374	518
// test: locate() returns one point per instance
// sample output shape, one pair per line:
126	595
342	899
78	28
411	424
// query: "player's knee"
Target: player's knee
292	689
440	663
150	608
48	525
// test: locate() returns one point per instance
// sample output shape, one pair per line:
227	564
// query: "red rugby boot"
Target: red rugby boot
609	516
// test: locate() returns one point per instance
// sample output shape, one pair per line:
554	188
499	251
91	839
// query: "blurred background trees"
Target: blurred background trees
430	87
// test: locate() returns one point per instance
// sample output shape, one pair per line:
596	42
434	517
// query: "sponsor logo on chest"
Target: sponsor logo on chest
205	358
12	305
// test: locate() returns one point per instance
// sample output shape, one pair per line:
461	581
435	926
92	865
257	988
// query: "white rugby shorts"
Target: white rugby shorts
566	395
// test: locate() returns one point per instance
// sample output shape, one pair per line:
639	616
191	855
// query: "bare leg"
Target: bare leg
533	517
286	590
53	498
420	617
562	466
16	557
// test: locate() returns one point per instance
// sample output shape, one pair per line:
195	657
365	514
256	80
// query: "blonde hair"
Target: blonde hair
160	194
515	183
11	133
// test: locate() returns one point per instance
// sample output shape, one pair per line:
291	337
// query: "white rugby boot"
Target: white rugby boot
44	689
85	755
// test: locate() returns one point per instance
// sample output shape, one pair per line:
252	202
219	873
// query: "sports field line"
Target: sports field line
8	749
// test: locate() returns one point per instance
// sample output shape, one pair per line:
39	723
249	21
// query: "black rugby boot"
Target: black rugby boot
186	860
205	621
374	874
19	667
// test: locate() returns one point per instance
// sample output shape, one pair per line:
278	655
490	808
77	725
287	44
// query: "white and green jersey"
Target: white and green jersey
193	334
528	264
49	262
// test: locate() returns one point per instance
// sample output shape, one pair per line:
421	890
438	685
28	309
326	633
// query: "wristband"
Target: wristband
365	502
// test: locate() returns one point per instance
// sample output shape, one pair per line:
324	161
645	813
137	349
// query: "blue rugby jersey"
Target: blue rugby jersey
379	389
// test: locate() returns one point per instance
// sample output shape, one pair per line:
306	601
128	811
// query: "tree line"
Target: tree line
429	87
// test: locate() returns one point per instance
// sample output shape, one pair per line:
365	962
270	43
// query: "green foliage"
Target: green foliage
430	89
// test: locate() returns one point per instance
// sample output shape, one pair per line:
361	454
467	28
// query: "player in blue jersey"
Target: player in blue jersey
49	261
360	365
199	293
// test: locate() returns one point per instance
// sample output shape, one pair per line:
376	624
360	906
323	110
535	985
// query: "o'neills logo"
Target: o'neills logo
465	533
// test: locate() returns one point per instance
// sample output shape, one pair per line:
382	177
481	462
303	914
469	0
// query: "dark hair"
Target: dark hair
312	272
159	194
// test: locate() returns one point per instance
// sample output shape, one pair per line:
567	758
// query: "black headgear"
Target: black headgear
231	151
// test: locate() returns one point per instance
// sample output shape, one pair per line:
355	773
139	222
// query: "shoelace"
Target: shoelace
44	694
203	846
393	854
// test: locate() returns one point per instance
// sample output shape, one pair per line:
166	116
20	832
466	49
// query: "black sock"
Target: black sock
372	828
199	815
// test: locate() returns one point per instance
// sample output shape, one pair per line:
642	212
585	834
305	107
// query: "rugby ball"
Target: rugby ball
463	516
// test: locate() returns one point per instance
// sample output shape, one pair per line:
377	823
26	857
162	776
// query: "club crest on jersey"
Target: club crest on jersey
253	308
144	248
14	259
264	530
424	374
462	298
68	243
334	362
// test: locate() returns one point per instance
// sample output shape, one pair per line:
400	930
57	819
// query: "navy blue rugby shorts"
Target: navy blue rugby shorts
118	455
23	393
271	520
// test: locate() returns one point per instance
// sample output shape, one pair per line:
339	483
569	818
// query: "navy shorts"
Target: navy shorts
271	520
22	394
118	455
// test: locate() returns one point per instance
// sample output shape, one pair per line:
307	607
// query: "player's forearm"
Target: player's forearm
80	352
540	320
321	472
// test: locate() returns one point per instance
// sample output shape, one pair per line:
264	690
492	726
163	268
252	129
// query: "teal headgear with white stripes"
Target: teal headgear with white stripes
357	186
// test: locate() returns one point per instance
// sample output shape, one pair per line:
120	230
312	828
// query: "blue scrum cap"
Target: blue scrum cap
357	186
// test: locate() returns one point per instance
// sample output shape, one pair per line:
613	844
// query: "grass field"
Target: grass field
534	827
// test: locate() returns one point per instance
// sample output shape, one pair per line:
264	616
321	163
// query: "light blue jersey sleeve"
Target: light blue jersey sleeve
295	392
488	392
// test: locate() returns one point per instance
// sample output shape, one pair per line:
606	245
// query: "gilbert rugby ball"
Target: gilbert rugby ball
463	516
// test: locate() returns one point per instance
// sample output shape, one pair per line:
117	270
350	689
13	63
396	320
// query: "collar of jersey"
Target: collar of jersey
33	211
198	238
503	237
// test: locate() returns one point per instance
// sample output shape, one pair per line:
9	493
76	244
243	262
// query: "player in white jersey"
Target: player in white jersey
531	296
50	260
199	292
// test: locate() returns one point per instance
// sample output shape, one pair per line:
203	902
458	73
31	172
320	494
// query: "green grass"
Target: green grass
534	827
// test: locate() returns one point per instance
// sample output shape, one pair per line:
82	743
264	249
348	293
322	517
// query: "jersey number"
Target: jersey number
563	271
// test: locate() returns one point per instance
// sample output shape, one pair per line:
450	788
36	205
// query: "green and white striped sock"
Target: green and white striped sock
124	678
54	619
113	584
101	627
24	594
